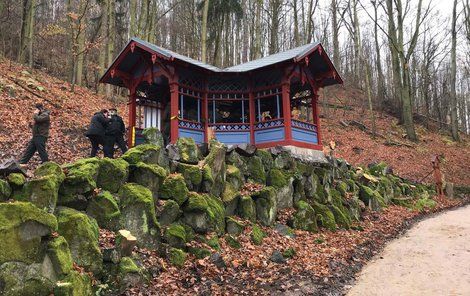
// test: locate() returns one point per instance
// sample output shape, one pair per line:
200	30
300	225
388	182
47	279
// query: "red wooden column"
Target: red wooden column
205	111
316	114
174	110
132	115
251	108
286	109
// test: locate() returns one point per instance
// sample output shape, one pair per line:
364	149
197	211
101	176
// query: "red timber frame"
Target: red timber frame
169	68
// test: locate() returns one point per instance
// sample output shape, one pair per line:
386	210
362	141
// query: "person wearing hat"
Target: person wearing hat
96	131
40	128
115	134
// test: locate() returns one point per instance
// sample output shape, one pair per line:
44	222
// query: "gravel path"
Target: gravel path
432	258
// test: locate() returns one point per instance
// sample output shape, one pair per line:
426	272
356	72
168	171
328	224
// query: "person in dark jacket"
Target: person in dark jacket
115	134
40	128
96	131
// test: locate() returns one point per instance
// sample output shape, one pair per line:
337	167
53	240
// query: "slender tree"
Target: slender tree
25	55
453	73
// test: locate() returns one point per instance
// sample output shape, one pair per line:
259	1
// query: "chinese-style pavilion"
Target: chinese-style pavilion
267	102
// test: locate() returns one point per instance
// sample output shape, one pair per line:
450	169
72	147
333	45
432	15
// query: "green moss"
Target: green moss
59	253
74	284
80	180
371	197
304	218
200	253
16	179
424	203
177	257
16	246
232	242
17	278
325	217
342	188
247	208
169	213
214	169
266	158
127	265
277	178
148	175
174	187
320	194
289	253
216	212
342	218
153	136
113	173
81	232
146	153
266	205
234	177
378	169
196	202
104	208
230	197
5	190
42	192
256	170
234	226
192	175
175	235
187	149
213	242
257	235
50	168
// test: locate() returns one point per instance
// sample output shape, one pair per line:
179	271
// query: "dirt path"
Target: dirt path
432	258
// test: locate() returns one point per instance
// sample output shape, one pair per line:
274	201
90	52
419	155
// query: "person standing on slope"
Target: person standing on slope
115	134
96	131
40	129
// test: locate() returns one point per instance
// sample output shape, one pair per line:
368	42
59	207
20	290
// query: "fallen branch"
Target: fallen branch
33	92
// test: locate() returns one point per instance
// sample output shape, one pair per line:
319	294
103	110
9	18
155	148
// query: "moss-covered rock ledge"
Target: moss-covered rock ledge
167	198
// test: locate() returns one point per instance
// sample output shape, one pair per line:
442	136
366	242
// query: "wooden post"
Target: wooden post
251	107
316	114
205	112
286	109
174	117
132	115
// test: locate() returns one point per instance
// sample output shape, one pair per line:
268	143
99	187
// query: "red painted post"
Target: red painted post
205	112
174	117
132	115
316	114
251	103
286	109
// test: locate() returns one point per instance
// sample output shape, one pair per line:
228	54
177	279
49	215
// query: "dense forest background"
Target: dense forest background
411	57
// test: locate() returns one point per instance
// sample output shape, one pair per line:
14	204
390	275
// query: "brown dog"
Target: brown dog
438	177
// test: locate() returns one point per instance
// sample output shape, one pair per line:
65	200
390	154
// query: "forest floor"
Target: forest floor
20	88
432	258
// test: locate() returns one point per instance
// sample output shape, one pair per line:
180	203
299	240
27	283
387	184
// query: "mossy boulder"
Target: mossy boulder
147	153
175	235
214	169
168	212
311	186
246	208
304	218
138	214
148	175
192	175
129	274
266	205
22	228
341	215
234	177
50	168
5	190
188	150
257	235
284	160
371	198
42	191
230	197
199	253
18	278
153	136
325	217
16	180
238	161
234	226
266	158
82	233
79	183
385	188
105	210
177	257
232	242
60	256
174	187
204	213
113	173
343	188
256	172
378	169
283	184
74	284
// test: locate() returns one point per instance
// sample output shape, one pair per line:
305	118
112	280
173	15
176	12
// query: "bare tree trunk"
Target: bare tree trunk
257	48
25	55
205	13
454	123
81	38
132	18
104	42
335	30
296	25
275	10
380	76
111	33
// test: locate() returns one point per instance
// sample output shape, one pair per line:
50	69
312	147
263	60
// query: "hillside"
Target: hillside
20	89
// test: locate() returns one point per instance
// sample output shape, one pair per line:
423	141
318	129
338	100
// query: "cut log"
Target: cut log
125	242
